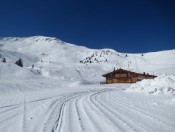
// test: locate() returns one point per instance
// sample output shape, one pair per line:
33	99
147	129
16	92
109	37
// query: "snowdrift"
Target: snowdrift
164	84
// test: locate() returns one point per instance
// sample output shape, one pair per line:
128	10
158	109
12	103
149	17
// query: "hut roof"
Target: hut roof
126	71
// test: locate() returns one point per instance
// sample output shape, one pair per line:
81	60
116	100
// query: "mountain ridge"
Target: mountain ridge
56	59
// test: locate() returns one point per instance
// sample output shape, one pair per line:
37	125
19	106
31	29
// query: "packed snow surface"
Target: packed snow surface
58	89
164	84
49	106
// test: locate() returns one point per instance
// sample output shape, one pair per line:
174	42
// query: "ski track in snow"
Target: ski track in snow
100	109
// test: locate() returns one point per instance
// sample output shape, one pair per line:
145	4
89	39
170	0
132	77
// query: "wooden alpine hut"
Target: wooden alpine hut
125	76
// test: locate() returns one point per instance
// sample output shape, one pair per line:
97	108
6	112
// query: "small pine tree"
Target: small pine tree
4	60
142	54
19	62
126	55
92	55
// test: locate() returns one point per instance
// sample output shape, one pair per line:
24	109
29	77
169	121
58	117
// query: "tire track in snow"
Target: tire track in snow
80	110
24	114
62	119
53	107
86	120
83	117
101	118
10	108
78	113
140	111
110	114
119	105
74	120
93	110
57	113
84	114
59	110
119	114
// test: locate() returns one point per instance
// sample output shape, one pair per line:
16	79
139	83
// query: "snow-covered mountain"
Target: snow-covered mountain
47	95
53	58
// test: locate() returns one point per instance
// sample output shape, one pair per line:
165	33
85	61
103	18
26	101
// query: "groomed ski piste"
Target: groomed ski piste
61	92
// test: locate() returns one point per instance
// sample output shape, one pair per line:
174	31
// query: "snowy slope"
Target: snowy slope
52	97
56	59
45	106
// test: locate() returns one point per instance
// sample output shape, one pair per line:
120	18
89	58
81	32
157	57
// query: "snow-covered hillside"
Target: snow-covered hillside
48	93
53	58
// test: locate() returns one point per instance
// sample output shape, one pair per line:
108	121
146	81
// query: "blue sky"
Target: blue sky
123	25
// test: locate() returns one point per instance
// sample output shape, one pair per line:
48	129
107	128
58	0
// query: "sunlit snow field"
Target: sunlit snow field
44	106
62	92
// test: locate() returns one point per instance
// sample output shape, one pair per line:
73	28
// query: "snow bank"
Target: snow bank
164	84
